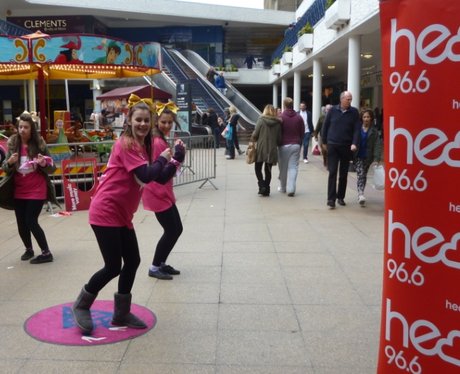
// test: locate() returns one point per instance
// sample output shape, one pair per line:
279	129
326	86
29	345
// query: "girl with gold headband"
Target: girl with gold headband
112	209
160	199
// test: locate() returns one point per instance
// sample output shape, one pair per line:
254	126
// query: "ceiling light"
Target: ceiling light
367	55
331	67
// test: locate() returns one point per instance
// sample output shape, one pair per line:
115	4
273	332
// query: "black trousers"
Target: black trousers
117	244
339	157
267	171
27	212
172	226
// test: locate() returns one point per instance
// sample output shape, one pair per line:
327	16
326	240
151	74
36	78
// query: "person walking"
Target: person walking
293	130
112	209
220	83
213	123
317	132
160	199
369	151
340	133
27	165
232	141
308	123
267	134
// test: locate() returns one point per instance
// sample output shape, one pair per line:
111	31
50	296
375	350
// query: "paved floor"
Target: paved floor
268	285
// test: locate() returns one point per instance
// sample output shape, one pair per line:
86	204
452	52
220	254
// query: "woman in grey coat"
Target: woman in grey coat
267	134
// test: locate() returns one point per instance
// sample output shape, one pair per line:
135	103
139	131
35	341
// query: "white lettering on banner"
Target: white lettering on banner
421	152
428	40
424	243
455	104
421	332
452	306
454	208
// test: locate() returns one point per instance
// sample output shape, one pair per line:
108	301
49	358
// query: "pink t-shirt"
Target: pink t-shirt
158	197
118	194
29	184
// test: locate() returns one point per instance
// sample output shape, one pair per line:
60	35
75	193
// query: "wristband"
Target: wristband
175	162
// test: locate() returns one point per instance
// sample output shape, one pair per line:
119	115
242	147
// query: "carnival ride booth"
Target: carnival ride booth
46	58
114	103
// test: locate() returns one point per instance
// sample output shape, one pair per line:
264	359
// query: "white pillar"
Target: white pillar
297	89
96	92
283	91
317	90
32	96
275	95
354	69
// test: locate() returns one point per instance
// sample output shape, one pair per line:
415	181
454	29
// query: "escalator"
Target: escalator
177	69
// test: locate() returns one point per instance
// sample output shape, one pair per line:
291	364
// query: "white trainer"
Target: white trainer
361	200
305	161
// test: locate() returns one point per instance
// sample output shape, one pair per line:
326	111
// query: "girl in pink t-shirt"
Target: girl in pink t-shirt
112	209
160	199
28	164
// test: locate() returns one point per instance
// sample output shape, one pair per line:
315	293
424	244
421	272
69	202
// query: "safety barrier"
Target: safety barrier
81	164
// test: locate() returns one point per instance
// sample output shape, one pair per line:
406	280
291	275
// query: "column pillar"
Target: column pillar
283	91
275	95
317	90
297	89
354	69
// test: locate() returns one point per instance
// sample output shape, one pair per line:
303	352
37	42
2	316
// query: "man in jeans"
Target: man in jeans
340	133
308	123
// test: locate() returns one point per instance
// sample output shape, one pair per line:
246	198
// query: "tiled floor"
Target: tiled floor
268	285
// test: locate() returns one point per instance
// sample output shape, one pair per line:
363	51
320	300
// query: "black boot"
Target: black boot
267	189
81	312
261	187
122	315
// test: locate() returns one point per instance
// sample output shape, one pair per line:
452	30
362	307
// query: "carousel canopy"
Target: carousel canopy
141	91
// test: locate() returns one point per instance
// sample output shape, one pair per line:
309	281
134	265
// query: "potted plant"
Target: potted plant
287	55
231	72
276	67
337	14
305	40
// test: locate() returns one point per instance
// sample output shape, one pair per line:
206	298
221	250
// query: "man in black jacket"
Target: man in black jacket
340	133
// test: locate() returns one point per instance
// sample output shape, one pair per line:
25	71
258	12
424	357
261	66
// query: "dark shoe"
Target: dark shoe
240	152
291	194
341	202
168	269
122	315
28	254
81	312
159	275
267	191
41	259
331	204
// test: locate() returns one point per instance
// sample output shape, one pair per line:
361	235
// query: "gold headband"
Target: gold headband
134	100
169	105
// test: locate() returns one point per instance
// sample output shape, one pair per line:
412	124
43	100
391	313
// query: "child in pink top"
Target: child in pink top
160	199
112	209
28	164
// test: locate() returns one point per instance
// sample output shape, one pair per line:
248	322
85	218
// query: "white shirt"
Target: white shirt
303	114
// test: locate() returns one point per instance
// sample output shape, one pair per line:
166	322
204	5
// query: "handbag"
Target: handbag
379	177
7	192
251	153
316	151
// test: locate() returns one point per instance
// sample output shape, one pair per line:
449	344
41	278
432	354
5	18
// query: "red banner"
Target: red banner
420	328
78	173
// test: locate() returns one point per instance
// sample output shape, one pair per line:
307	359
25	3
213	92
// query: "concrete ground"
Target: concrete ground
268	285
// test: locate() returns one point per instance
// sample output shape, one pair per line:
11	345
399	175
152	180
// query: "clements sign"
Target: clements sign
46	24
55	25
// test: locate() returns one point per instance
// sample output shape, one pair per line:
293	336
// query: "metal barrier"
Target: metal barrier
200	160
199	164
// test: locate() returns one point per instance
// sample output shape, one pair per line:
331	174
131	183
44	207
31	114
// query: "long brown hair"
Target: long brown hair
33	144
128	136
156	131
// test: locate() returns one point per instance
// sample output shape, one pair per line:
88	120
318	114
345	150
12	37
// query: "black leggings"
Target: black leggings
172	226
116	244
267	171
27	212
